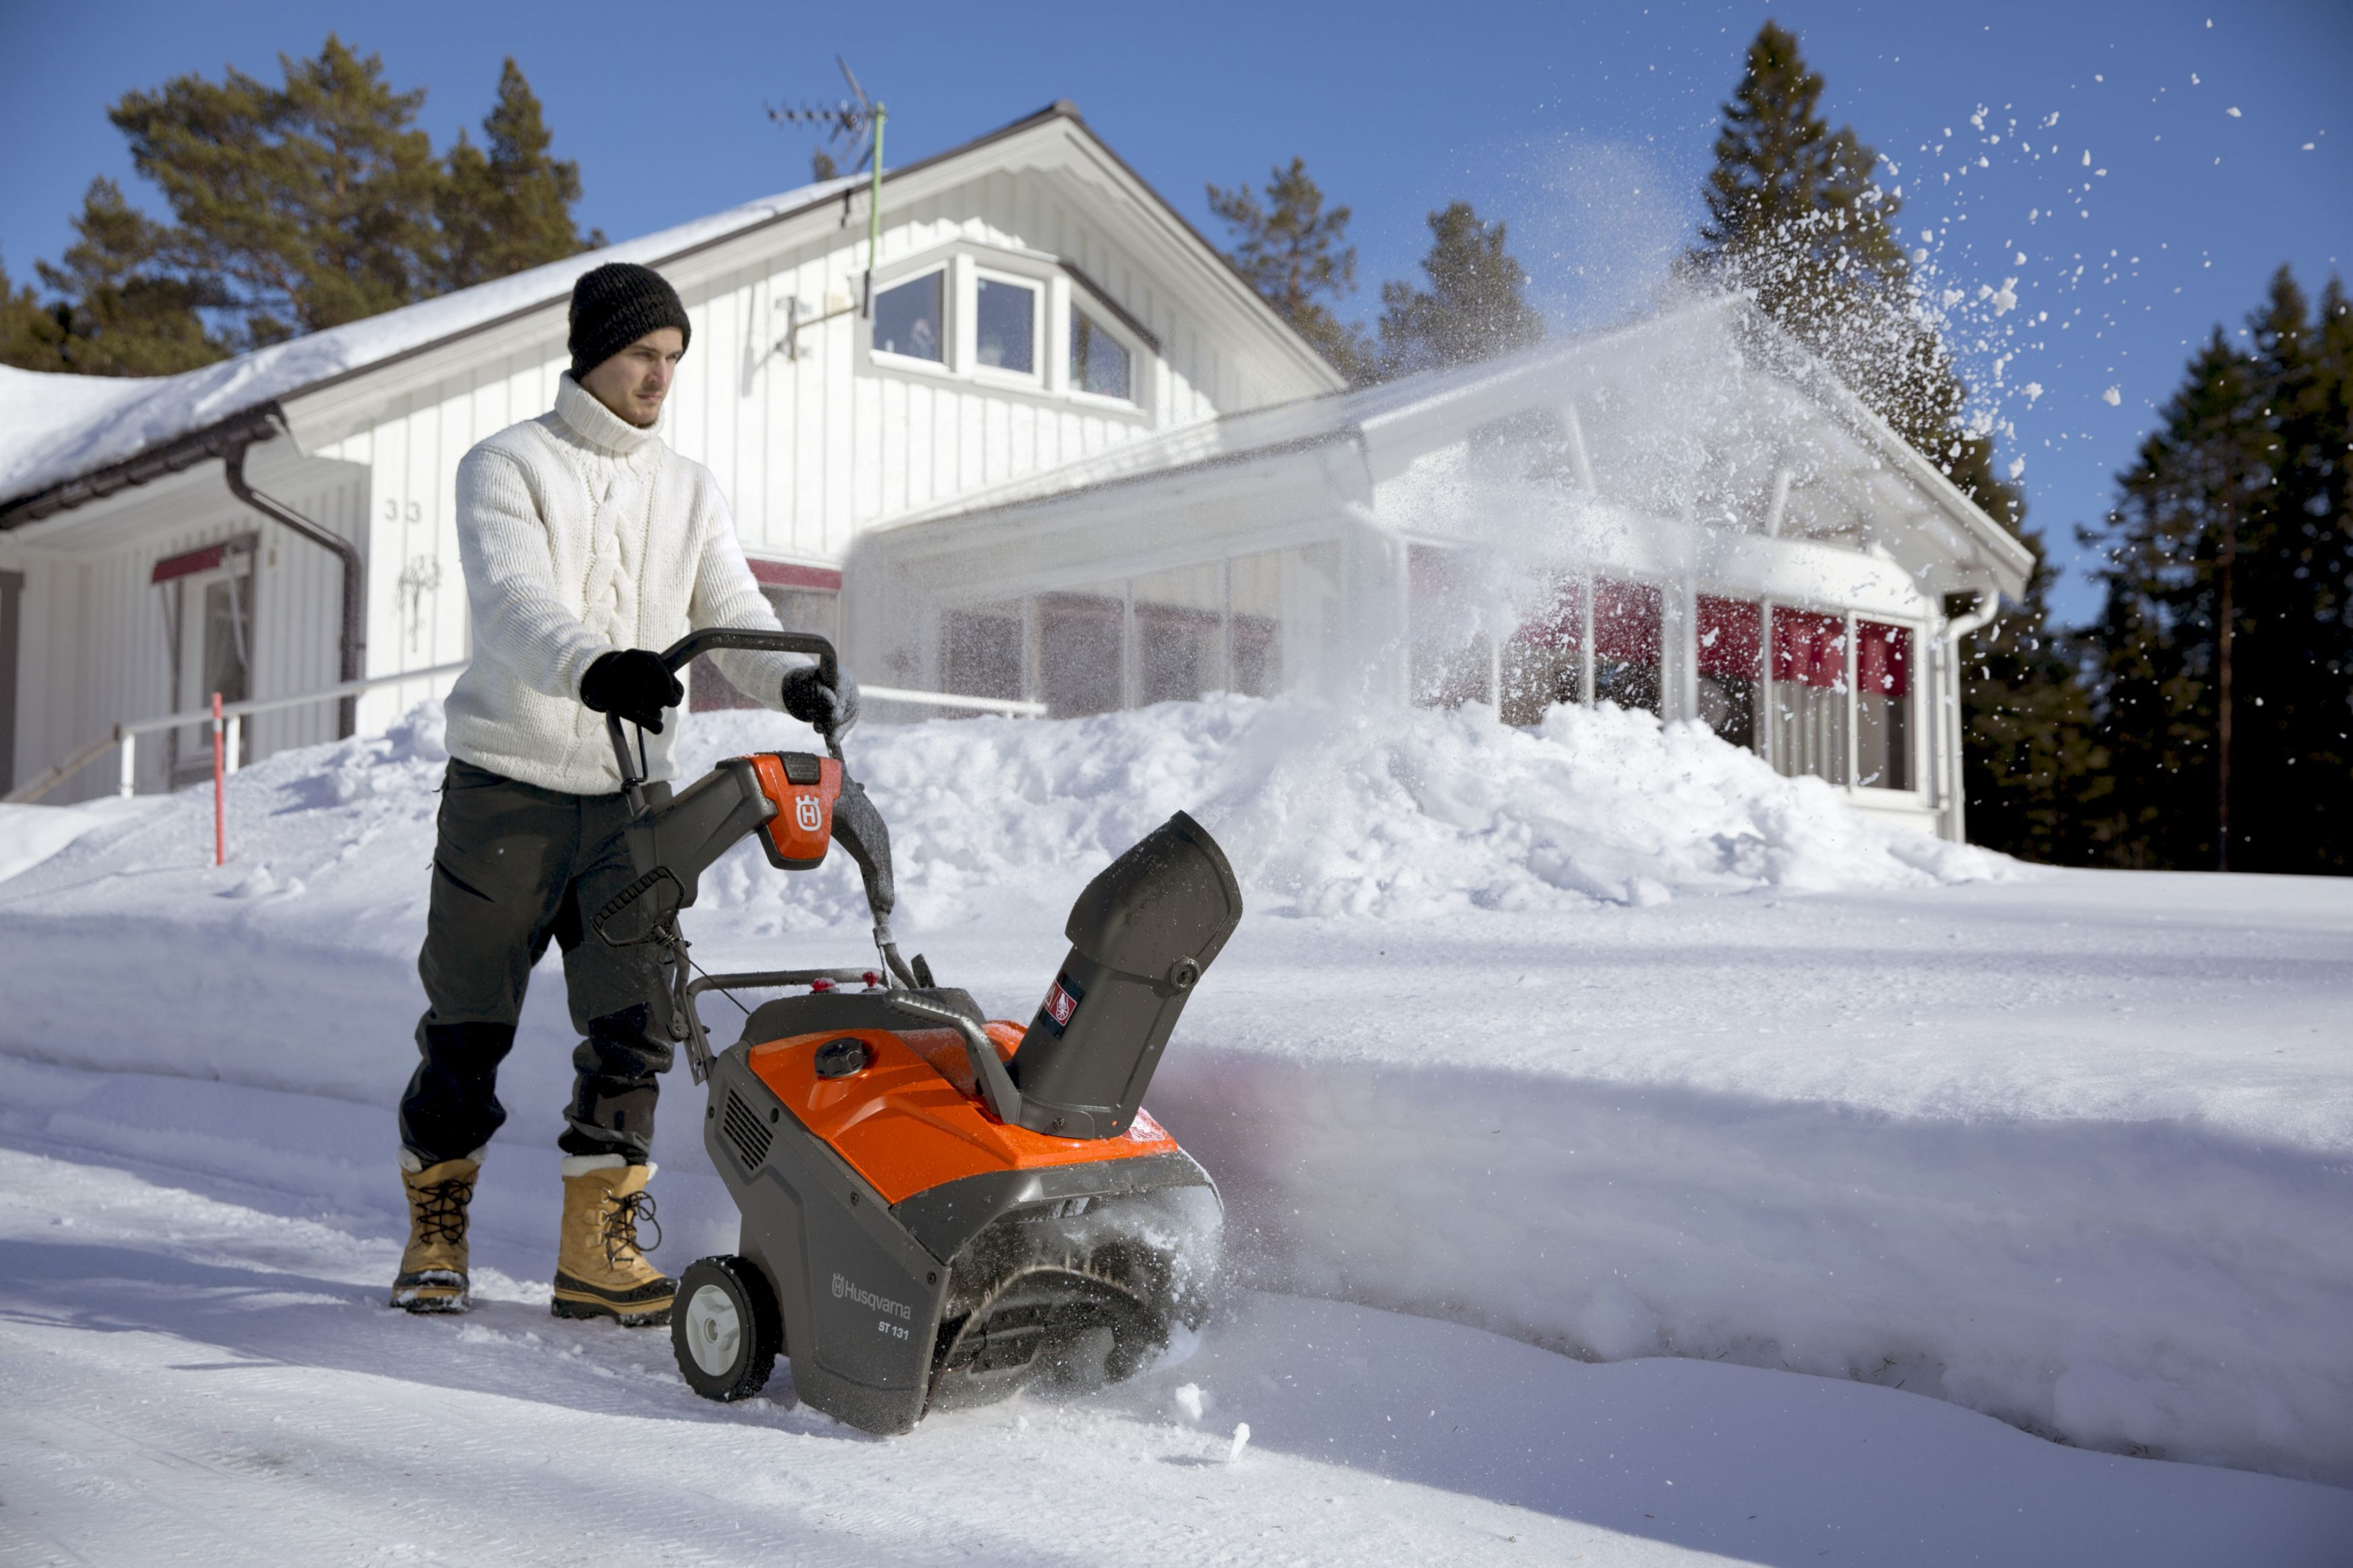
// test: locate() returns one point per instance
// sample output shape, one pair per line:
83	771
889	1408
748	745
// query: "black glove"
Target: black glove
634	684
830	711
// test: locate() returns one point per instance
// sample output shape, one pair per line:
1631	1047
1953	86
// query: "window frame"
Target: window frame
1060	289
891	358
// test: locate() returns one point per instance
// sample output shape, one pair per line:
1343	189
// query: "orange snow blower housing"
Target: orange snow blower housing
937	1209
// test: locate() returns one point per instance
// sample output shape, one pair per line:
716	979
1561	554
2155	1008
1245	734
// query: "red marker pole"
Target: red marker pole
220	798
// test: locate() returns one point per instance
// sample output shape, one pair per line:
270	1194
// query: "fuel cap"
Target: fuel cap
843	1057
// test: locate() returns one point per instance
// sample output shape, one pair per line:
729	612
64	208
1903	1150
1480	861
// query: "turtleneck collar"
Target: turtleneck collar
596	423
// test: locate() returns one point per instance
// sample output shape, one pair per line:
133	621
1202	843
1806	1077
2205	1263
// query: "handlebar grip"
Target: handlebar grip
752	639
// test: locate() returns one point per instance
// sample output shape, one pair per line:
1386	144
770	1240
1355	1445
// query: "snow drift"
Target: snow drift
1601	1033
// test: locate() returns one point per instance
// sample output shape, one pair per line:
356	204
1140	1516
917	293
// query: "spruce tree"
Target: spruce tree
1472	308
122	310
506	204
1796	219
29	333
2226	639
1296	254
310	204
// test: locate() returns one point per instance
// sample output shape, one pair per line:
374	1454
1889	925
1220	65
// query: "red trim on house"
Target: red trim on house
190	564
786	574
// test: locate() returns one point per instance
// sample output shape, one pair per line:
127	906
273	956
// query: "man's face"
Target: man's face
633	382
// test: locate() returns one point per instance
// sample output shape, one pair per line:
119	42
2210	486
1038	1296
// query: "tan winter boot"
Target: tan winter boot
599	1273
432	1276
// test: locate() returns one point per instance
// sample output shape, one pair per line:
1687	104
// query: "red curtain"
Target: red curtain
1729	638
1882	658
1809	650
1626	622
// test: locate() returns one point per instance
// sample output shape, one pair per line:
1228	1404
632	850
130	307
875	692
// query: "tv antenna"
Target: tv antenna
855	123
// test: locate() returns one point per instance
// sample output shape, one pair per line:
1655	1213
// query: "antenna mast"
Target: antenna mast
850	122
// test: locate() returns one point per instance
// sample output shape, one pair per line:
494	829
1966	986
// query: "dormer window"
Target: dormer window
1099	362
908	319
1025	325
1004	325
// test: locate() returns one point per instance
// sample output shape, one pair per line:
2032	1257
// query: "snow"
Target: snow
1573	1088
62	427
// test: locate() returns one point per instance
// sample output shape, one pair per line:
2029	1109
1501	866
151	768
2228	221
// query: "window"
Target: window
1731	658
1809	694
1083	639
1882	706
1180	633
1626	627
1098	360
1544	660
208	609
908	320
980	651
1004	319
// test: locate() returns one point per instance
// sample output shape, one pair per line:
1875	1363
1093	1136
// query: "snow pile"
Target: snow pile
1386	814
1602	1035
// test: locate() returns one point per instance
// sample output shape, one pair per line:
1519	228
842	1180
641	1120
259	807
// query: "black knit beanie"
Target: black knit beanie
615	305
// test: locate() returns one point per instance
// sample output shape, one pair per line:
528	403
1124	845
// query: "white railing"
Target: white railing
126	735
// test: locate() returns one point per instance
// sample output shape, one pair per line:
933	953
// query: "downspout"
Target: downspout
355	637
1989	605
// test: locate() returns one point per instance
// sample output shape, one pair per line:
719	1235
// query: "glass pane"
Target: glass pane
1626	627
1258	624
1098	360
1083	639
907	318
1882	706
1543	662
1809	694
980	651
1731	660
1005	317
1180	633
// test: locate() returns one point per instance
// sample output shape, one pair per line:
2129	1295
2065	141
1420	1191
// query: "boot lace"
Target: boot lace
441	1209
621	1219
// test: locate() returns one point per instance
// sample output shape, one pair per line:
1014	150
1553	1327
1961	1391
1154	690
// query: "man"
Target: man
588	543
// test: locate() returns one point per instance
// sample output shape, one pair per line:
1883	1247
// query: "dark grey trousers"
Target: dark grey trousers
515	866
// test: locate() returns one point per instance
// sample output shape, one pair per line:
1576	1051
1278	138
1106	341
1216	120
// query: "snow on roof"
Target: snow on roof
55	428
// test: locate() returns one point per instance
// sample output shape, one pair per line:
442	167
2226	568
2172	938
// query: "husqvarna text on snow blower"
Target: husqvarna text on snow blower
937	1209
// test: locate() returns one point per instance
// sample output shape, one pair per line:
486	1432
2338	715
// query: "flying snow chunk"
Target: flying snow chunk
2017	467
2033	389
1242	1441
1188	1400
2004	299
2114	396
2021	258
1953	297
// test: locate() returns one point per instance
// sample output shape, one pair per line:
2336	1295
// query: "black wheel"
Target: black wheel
724	1329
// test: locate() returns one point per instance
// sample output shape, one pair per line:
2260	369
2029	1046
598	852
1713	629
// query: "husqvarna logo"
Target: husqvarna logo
844	1288
807	812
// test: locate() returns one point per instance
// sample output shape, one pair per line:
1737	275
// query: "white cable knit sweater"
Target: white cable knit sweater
581	535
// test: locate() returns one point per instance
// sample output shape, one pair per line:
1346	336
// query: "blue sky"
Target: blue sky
1587	127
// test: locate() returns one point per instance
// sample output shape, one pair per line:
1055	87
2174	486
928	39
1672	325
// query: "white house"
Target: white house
1047	446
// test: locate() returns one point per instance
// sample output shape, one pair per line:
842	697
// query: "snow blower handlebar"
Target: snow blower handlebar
711	639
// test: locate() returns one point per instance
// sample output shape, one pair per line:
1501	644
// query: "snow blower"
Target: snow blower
938	1210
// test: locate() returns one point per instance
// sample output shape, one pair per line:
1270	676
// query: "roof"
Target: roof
61	428
70	439
1393	424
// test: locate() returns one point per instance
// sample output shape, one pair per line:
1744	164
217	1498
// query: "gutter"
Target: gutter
1949	718
355	630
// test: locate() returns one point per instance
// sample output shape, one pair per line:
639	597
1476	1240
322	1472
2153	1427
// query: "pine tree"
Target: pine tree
509	208
1295	253
309	205
1472	308
123	311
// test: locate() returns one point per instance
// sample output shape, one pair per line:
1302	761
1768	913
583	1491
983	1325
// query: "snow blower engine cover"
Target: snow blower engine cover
802	787
1141	935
